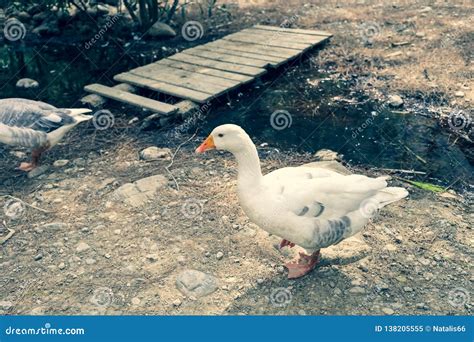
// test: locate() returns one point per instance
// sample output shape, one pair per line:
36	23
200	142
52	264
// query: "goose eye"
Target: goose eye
220	135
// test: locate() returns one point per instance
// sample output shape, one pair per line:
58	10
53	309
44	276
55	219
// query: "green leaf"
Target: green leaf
426	186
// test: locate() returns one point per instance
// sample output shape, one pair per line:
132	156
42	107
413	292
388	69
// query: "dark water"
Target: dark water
324	113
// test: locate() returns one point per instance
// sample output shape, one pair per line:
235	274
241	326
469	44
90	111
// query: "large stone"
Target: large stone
197	284
27	83
161	30
347	251
329	165
155	153
140	192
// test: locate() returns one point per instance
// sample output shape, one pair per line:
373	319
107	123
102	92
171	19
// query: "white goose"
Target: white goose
310	207
36	125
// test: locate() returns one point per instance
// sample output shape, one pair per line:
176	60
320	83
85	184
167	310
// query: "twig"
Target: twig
411	151
27	204
6	238
167	168
402	171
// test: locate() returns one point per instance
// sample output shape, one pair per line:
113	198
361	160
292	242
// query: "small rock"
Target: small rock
38	257
140	192
62	266
391	248
388	311
422	306
82	247
219	255
176	302
61	163
197	284
38	171
155	153
395	101
54	227
4	304
27	83
407	289
337	292
90	261
280	269
459	94
161	30
420	34
357	290
136	301
260	281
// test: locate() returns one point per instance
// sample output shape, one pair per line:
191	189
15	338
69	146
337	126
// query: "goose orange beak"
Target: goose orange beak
208	144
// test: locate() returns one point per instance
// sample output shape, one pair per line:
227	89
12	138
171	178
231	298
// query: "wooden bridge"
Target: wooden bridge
207	71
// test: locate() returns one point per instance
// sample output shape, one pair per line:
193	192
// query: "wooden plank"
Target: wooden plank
164	88
286	36
218	56
126	97
240	69
254	48
270	59
292	30
204	70
185	75
261	40
190	82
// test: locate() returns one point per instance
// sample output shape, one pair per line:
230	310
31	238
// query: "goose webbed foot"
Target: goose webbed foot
304	265
35	156
27	167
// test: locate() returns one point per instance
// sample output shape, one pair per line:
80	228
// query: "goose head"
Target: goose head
231	138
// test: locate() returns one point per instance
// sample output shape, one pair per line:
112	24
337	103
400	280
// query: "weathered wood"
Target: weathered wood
187	79
218	56
261	40
269	59
136	100
188	83
240	69
97	101
205	70
292	30
285	36
254	48
164	88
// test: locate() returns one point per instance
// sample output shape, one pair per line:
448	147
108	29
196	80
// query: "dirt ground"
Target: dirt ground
77	250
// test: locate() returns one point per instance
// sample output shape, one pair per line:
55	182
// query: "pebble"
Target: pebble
177	302
388	311
193	283
337	292
395	101
155	153
61	163
260	281
207	254
82	246
136	301
391	248
38	171
459	94
422	306
27	83
219	255
407	289
357	290
280	269
38	257
90	261
62	266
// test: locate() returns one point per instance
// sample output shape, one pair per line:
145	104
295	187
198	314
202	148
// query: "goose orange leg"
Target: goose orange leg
304	265
285	243
35	156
